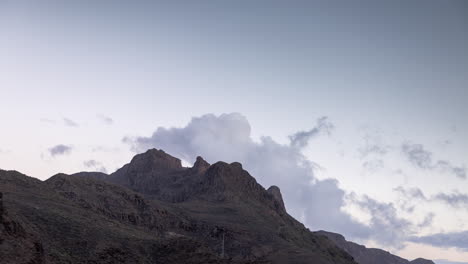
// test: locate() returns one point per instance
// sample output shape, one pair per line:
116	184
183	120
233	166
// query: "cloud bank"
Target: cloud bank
317	203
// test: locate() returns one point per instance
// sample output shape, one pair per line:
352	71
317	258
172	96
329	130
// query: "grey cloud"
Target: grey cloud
422	158
301	139
105	119
59	150
387	227
318	203
95	165
445	240
454	199
411	192
69	122
417	155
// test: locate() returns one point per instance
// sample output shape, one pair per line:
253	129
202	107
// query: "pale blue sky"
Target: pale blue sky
385	73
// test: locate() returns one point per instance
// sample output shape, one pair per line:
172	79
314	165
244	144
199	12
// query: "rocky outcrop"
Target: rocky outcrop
200	165
276	193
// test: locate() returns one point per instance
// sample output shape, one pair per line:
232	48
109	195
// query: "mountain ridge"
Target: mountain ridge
180	213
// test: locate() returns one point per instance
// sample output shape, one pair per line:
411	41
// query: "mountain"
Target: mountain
364	255
154	210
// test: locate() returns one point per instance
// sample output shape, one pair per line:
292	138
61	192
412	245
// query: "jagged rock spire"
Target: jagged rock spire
200	165
276	193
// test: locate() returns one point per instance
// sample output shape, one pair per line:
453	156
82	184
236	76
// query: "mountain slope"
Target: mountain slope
364	255
252	219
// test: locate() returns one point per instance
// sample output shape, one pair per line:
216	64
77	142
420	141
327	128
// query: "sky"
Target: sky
355	109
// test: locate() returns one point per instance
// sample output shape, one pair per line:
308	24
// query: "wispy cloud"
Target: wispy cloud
386	226
301	138
454	199
421	158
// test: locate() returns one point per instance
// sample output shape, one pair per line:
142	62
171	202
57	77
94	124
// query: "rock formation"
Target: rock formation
153	210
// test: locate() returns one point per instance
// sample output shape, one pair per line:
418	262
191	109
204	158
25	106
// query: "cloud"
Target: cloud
95	165
318	203
59	150
428	219
301	139
445	240
106	120
421	158
417	155
69	122
411	192
387	227
454	199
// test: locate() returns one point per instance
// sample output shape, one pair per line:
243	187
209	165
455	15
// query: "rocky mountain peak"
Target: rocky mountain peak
155	159
276	193
200	165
